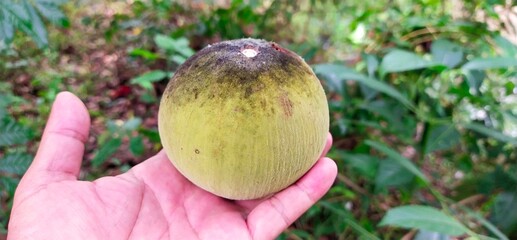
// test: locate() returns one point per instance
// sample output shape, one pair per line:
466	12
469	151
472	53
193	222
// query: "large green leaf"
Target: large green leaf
508	49
490	63
15	163
337	74
504	211
394	155
490	132
392	174
401	61
423	218
397	117
447	53
441	137
12	133
426	235
364	164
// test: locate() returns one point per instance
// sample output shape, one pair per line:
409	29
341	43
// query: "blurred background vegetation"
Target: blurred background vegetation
422	94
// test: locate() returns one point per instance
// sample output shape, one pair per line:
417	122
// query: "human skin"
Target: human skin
150	201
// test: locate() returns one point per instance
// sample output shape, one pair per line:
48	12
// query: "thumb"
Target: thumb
61	149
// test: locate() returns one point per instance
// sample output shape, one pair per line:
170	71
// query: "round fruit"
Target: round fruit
244	118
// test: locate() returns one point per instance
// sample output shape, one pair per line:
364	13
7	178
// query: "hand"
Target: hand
151	201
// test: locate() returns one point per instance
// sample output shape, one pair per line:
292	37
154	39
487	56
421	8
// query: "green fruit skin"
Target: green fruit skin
244	127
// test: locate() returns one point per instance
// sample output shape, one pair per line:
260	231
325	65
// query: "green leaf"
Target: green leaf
12	16
15	12
447	53
50	10
489	63
397	117
474	79
6	27
337	74
394	155
38	30
178	59
185	51
490	132
180	45
401	61
145	80
9	184
132	124
372	64
151	134
481	219
143	53
349	219
441	137
392	174
365	165
508	49
11	133
504	211
426	235
423	218
136	145
106	150
15	163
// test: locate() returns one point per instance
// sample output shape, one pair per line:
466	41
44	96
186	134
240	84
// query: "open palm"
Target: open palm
151	201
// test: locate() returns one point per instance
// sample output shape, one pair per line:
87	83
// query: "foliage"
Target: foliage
174	51
26	16
422	103
14	160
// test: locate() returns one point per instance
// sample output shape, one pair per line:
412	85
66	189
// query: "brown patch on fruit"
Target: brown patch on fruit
263	104
286	104
279	48
253	88
210	72
196	93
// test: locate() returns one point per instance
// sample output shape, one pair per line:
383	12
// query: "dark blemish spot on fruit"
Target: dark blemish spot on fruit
263	104
196	93
248	92
279	48
286	104
244	78
276	47
196	151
